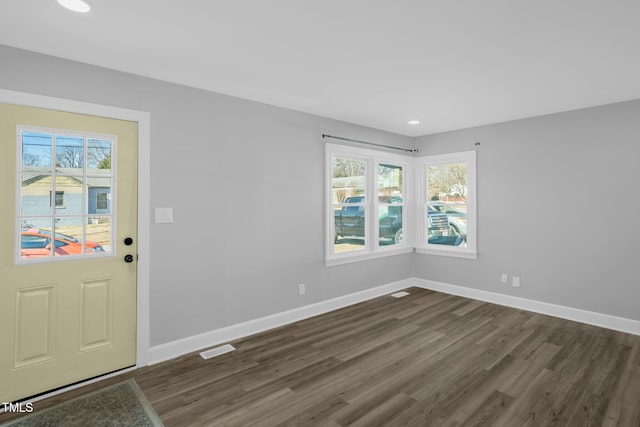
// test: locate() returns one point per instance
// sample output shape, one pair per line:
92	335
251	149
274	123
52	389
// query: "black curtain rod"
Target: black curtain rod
407	150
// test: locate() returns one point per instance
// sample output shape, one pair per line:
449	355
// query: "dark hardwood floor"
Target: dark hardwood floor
428	359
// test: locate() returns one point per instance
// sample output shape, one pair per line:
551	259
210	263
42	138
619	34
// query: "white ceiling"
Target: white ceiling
449	63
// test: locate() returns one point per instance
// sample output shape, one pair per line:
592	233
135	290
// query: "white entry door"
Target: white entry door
68	242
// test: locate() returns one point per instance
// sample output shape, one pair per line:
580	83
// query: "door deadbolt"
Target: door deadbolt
128	241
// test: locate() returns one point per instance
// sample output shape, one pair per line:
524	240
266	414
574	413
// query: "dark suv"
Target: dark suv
350	222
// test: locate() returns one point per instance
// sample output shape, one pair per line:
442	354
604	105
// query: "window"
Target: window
366	204
448	205
390	186
57	175
101	201
59	202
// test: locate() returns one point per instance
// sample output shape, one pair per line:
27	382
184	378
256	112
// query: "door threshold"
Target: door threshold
73	386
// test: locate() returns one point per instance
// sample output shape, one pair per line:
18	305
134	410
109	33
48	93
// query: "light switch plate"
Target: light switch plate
164	215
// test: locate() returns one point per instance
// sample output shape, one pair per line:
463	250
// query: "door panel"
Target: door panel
35	325
96	311
66	318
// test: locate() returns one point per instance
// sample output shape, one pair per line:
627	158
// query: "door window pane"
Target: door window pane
69	154
98	235
64	210
69	195
35	238
98	156
35	194
69	232
36	151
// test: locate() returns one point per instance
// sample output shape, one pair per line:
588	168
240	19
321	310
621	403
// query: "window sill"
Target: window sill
367	256
453	252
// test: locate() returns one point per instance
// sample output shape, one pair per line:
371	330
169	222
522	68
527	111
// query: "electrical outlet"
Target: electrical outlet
302	289
516	282
504	278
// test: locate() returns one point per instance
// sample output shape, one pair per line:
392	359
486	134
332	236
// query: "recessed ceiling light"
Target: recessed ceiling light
75	5
414	122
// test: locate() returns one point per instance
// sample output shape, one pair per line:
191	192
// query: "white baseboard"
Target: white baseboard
173	349
589	317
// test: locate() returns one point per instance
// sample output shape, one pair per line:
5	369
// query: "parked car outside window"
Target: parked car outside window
36	243
457	218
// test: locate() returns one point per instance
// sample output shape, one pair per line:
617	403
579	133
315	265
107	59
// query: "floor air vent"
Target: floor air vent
400	294
227	348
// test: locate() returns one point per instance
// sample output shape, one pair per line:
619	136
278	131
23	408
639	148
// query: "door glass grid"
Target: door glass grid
65	187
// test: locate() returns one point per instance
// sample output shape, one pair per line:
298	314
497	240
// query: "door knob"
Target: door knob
128	258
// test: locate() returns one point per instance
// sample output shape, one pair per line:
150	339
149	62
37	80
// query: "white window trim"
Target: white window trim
371	249
422	247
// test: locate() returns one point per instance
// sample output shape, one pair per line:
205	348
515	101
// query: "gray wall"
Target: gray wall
557	205
246	184
557	202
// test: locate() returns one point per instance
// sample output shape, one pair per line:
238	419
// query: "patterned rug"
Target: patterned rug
121	404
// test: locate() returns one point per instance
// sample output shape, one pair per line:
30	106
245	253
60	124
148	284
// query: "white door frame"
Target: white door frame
144	146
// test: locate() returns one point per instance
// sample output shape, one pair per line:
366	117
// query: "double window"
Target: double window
374	210
367	195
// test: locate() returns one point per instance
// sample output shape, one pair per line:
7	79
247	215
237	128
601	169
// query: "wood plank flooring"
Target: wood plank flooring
427	359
